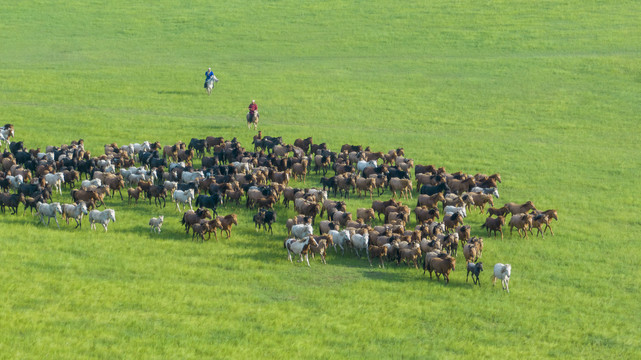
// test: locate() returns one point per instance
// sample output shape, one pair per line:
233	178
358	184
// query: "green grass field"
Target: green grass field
545	93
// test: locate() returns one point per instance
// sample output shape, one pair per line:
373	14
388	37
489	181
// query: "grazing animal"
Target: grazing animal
156	223
522	222
431	190
492	224
475	269
442	266
253	120
301	231
226	223
402	185
360	242
455	209
183	197
299	247
502	211
209	84
412	253
102	217
488	191
377	252
49	211
320	248
452	221
341	239
74	211
503	273
515	208
431	201
134	194
210	202
191	217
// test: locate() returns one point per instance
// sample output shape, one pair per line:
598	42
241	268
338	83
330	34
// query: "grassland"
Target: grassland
546	93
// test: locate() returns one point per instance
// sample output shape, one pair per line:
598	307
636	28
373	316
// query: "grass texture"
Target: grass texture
545	93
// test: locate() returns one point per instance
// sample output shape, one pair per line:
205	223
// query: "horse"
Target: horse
209	84
183	197
74	211
298	247
102	217
6	133
252	120
50	211
431	190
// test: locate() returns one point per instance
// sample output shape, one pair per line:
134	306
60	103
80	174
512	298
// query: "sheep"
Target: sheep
502	272
156	223
475	269
492	224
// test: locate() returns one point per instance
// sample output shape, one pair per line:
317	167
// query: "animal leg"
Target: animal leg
307	259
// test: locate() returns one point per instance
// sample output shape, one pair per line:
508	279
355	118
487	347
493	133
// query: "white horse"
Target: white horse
50	211
297	247
360	242
156	223
183	197
252	120
15	181
74	211
85	184
301	231
502	272
340	238
102	217
55	180
5	134
209	84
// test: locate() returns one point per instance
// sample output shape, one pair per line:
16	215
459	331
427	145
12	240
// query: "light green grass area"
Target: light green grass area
544	93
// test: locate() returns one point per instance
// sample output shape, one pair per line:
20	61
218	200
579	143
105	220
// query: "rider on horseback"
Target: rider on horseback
252	108
209	75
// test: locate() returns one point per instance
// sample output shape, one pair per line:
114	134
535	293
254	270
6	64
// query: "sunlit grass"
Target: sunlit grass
543	93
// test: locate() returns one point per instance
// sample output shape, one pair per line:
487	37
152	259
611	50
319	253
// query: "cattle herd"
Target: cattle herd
258	178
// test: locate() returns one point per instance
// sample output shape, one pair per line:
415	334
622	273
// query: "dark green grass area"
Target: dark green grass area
544	93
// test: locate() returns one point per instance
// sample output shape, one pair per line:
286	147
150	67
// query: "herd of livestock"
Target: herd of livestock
259	177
